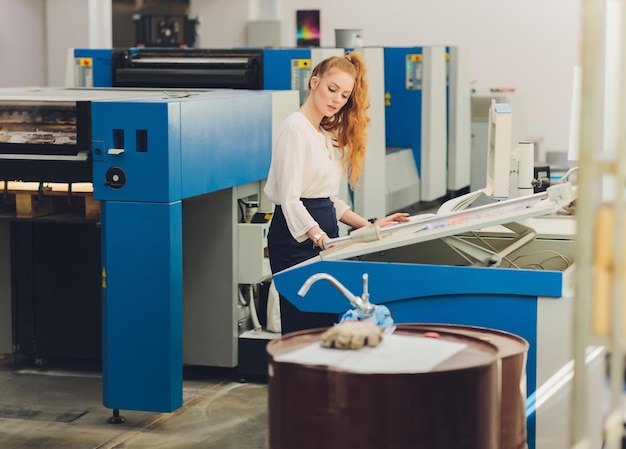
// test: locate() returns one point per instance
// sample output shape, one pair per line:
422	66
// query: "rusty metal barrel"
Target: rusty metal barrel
513	352
453	404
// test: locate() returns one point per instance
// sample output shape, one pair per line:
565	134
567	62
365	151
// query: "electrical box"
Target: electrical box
414	71
254	265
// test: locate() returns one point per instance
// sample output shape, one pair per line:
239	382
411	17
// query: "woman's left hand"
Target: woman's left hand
398	217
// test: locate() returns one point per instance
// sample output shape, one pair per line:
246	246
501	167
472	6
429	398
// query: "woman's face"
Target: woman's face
331	92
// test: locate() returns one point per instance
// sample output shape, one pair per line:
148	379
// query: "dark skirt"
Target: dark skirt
285	251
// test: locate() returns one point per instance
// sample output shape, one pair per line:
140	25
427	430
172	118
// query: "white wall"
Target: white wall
35	36
74	24
22	55
530	45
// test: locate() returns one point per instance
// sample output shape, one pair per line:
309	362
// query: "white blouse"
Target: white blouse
304	165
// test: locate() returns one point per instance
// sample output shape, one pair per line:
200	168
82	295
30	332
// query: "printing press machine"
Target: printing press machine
105	115
504	265
168	168
419	138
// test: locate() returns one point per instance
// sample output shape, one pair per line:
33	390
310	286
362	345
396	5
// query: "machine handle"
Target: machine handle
82	156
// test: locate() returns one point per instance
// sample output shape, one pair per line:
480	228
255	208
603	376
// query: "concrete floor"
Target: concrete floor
59	405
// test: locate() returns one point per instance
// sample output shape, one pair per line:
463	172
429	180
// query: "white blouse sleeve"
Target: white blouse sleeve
341	207
289	164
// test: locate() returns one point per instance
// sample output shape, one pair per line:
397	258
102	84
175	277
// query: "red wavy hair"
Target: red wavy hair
349	125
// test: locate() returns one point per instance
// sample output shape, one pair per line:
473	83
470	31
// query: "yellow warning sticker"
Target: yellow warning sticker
302	63
85	62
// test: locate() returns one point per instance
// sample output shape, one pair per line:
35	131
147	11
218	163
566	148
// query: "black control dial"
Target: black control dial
115	178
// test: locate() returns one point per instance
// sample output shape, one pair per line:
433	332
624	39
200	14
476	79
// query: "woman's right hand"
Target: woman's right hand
398	217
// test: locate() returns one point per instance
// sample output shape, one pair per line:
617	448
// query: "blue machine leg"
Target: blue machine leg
142	305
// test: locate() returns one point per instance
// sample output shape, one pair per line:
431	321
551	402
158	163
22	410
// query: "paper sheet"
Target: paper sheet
395	354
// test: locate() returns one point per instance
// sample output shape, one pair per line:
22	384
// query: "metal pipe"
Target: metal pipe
591	107
361	303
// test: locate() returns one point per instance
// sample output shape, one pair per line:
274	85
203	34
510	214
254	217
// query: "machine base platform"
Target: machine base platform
253	359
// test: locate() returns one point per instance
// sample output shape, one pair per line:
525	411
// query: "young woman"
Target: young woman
315	146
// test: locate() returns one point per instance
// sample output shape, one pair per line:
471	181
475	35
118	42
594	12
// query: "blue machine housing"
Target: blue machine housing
203	143
277	66
95	63
168	150
416	113
403	111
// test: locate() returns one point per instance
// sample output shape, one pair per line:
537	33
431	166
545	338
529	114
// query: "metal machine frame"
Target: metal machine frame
168	169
